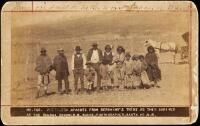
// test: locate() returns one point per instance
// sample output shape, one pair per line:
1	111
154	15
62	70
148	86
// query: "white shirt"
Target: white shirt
95	56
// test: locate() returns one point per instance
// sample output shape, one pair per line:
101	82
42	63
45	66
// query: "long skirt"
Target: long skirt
154	73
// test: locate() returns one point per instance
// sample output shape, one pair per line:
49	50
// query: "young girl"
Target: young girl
104	75
120	71
136	72
153	71
144	76
128	71
90	77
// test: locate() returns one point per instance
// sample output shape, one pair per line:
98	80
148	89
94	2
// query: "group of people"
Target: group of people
101	70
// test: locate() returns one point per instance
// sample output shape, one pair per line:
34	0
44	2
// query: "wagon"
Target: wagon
185	49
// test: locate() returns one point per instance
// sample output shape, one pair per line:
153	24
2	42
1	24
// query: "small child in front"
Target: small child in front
90	77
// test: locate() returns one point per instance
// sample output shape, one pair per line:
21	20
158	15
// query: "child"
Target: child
90	77
153	71
106	68
144	76
128	71
120	71
136	72
104	75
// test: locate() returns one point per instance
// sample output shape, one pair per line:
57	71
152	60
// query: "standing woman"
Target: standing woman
153	70
120	67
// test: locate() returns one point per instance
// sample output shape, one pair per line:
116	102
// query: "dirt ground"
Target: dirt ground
31	31
174	91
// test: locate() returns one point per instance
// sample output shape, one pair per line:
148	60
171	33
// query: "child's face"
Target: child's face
107	50
128	57
141	59
150	50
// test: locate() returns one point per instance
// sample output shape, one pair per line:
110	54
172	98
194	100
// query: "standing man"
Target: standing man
43	66
108	65
95	57
78	67
62	71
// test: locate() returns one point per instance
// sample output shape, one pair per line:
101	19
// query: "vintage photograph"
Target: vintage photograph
99	54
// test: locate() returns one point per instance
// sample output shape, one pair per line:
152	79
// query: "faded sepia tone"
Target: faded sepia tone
53	25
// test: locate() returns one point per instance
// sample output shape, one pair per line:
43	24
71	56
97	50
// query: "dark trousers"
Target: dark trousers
78	74
66	81
96	67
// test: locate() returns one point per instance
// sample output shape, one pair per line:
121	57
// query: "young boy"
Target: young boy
78	66
144	76
90	77
128	71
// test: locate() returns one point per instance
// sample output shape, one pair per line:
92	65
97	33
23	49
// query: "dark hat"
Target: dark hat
78	48
128	54
108	47
43	50
94	44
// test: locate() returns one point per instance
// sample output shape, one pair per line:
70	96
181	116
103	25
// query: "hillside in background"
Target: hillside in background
31	31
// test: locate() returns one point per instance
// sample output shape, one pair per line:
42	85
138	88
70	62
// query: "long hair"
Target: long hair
151	48
120	47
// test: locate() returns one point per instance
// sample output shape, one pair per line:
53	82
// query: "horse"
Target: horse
161	47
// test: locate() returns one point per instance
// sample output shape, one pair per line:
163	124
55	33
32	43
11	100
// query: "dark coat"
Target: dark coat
60	65
153	71
89	55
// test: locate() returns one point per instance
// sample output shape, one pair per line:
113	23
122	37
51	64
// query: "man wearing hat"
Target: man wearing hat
107	67
43	66
78	67
95	57
60	65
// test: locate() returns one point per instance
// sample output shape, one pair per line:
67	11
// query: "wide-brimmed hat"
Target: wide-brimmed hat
78	48
43	49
